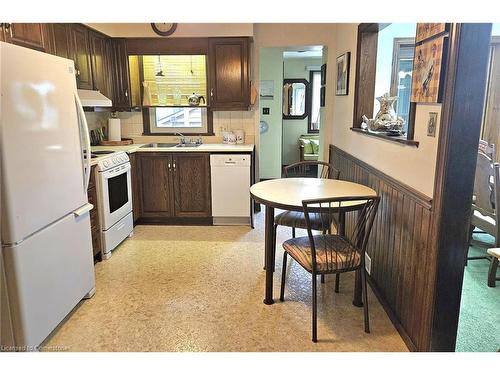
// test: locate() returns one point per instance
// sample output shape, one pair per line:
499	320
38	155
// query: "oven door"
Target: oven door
116	194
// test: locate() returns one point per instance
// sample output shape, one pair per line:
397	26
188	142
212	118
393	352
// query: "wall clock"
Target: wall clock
164	29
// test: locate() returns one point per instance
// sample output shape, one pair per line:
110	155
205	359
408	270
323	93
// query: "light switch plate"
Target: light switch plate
368	264
432	124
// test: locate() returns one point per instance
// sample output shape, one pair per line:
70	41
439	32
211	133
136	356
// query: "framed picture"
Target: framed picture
322	94
343	61
429	30
323	74
426	84
431	124
267	89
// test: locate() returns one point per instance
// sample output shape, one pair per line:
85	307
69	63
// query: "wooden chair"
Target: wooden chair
487	149
295	219
484	213
332	254
492	273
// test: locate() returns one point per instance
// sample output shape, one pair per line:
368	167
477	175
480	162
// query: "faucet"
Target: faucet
182	138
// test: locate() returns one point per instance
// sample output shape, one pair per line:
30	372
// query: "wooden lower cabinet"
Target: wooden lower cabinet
192	196
174	186
95	225
155	175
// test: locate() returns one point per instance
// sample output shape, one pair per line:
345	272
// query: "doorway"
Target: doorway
289	107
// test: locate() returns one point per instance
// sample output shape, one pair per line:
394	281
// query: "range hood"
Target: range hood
91	98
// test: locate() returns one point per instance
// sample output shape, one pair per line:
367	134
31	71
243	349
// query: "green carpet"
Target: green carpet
479	323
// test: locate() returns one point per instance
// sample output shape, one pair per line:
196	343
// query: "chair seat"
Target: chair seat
297	219
343	258
486	223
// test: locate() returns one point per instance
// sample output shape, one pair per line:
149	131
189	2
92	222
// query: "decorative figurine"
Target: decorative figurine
386	118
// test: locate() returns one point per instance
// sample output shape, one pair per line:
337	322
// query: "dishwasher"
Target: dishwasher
230	177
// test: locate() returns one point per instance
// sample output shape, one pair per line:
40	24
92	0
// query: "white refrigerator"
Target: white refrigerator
46	265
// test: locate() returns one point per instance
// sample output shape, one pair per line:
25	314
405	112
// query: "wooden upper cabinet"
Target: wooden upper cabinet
31	35
61	40
229	76
120	74
100	50
80	47
192	196
155	179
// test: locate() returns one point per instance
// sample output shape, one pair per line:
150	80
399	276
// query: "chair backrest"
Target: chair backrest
487	149
484	185
303	169
347	254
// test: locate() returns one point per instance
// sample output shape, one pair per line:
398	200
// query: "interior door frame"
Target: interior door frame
454	179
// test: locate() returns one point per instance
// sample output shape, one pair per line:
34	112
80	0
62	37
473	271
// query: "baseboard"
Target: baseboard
394	320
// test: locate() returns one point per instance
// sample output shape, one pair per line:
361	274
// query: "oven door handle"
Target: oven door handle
124	168
86	148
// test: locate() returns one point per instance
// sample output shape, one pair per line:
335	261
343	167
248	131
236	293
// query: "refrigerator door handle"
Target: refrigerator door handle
83	210
86	150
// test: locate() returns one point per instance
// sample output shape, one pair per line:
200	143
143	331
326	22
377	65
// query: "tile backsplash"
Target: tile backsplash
132	127
97	119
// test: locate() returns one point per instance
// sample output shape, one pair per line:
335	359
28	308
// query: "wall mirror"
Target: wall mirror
296	93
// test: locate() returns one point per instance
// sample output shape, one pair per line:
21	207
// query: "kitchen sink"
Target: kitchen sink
188	145
168	145
162	145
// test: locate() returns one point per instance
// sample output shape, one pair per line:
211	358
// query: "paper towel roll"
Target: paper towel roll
114	130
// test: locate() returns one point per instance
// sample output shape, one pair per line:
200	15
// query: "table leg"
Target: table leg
269	251
357	301
342	223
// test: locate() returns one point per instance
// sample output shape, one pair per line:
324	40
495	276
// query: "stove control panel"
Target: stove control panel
112	160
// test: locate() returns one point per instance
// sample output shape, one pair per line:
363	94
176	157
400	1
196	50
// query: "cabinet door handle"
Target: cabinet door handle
174	165
126	93
169	167
211	93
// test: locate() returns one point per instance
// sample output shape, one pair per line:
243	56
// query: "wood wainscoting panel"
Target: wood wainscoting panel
398	247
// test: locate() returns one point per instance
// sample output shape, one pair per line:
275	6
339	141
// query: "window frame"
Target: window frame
309	118
399	44
147	124
173	130
364	87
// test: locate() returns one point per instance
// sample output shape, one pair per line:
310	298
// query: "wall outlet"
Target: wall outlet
368	264
265	111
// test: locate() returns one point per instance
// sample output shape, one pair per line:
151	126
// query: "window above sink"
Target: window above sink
167	88
189	120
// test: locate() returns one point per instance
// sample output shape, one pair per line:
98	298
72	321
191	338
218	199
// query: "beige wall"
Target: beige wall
136	30
410	165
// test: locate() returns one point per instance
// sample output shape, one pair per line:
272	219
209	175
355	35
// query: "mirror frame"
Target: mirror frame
307	98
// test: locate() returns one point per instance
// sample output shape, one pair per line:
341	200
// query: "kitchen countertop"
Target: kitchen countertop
206	147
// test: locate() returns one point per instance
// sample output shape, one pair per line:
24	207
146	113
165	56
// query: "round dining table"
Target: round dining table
288	194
